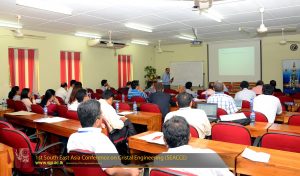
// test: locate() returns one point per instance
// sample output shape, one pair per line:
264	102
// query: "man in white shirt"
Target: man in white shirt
177	141
72	84
81	96
90	138
62	91
245	93
188	89
195	117
267	104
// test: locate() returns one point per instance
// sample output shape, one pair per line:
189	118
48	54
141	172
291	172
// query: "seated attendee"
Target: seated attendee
163	100
72	84
150	88
245	93
81	96
180	89
178	142
62	91
210	91
136	91
267	104
273	83
195	117
50	101
90	138
188	89
27	98
258	88
104	85
224	101
75	88
124	90
14	93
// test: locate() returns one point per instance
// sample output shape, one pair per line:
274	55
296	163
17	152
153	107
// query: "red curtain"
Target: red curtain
69	66
124	69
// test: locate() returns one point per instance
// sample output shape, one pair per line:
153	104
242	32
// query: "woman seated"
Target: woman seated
50	101
14	93
27	98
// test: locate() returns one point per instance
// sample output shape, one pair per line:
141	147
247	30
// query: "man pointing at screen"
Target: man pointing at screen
166	79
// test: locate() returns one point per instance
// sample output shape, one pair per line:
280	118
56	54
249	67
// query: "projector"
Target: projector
196	42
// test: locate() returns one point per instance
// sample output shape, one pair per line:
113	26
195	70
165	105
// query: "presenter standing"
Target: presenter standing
166	79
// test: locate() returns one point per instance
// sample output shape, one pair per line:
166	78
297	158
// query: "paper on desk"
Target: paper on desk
231	117
125	113
256	156
21	113
50	120
156	137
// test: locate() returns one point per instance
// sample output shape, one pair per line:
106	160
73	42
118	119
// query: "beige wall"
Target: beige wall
97	63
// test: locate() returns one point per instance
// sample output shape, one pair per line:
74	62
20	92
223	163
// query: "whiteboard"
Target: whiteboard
187	71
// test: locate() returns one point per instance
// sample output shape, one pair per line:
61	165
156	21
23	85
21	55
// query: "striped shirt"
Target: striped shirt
136	93
224	101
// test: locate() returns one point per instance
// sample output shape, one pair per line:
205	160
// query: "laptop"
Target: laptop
210	110
238	104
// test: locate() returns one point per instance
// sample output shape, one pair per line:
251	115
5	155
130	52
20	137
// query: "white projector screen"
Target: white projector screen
187	71
234	61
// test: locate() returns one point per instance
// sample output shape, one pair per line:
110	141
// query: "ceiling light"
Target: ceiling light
88	35
53	6
139	27
140	42
10	24
186	37
212	15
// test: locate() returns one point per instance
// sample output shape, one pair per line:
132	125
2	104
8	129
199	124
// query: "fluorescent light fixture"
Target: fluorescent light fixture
139	27
88	35
212	15
186	37
53	6
140	42
10	25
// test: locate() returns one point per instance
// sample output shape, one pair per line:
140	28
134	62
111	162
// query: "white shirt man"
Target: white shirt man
245	94
61	92
189	91
109	114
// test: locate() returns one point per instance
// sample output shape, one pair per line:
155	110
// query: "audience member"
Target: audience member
14	93
258	88
104	85
224	101
76	87
245	93
273	83
150	87
188	89
136	91
50	101
124	90
210	91
62	91
72	83
195	117
267	104
81	96
27	98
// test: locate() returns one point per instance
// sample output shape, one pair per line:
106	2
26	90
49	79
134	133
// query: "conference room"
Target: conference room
140	61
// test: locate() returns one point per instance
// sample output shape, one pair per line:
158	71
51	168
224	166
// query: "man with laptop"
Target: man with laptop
195	117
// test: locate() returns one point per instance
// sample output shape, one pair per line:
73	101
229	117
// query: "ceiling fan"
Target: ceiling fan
159	50
109	43
283	41
196	40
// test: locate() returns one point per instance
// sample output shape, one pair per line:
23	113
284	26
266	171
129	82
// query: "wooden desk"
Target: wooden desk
24	120
7	160
284	116
258	129
5	110
284	128
228	151
282	163
153	121
64	128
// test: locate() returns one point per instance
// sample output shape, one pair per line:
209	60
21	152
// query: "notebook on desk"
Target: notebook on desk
210	110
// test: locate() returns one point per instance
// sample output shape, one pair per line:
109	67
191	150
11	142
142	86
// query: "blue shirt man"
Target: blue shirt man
135	92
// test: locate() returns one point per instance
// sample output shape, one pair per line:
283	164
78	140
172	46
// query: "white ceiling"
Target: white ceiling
167	17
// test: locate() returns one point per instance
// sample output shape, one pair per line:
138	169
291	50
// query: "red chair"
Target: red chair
170	91
60	100
202	96
20	106
284	99
85	167
296	95
10	103
119	97
138	99
231	132
245	104
194	132
25	151
294	120
220	112
114	91
283	107
89	90
96	96
259	117
199	92
4	124
124	106
37	109
281	141
72	115
278	94
62	110
168	172
149	107
99	91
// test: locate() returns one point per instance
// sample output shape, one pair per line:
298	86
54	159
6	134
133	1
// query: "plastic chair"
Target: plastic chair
259	117
96	96
231	132
168	172
60	100
89	90
37	109
284	99
20	106
194	132
99	91
281	141
278	94
245	104
294	120
72	115
138	99
220	112
150	107
124	106
10	103
62	110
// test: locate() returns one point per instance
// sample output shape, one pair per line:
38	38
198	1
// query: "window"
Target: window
69	66
124	69
22	68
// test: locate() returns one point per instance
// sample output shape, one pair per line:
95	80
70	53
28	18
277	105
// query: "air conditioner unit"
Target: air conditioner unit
105	44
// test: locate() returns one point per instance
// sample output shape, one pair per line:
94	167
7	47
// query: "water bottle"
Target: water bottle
45	111
206	95
117	106
134	108
123	98
4	104
252	114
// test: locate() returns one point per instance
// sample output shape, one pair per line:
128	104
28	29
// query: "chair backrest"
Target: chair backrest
138	99
245	104
20	106
149	107
278	94
114	91
170	91
294	120
10	103
124	106
85	167
194	132
220	112
231	132
259	117
89	90
281	141
119	97
4	124
37	109
60	100
62	110
168	172
96	96
99	91
296	95
284	99
199	92
72	115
